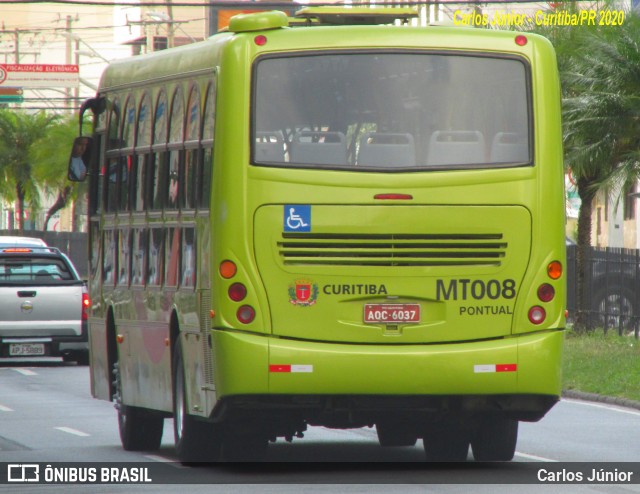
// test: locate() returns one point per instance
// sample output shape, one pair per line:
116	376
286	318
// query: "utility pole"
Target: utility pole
170	30
16	43
67	59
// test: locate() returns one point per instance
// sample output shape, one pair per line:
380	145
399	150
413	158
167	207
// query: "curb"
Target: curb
611	400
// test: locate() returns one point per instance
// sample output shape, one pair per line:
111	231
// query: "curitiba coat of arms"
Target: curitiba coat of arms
303	292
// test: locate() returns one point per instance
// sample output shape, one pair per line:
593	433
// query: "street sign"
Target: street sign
11	99
10	91
39	75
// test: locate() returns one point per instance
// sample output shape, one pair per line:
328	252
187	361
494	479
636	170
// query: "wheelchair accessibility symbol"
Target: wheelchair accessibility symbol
297	218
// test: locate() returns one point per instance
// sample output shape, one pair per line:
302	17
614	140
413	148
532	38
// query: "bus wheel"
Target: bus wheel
244	447
196	441
446	443
495	439
393	434
140	430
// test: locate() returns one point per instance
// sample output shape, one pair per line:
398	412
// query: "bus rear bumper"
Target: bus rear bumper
520	374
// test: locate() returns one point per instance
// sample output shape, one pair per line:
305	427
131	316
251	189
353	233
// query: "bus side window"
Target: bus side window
108	261
156	257
124	258
203	188
111	159
96	174
158	158
192	156
138	256
176	153
175	179
141	160
172	257
159	178
188	264
126	162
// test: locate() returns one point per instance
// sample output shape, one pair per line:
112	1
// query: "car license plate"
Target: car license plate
26	349
391	313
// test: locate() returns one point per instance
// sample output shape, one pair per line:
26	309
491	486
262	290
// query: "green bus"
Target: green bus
334	220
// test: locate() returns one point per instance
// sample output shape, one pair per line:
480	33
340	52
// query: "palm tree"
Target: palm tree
51	158
19	133
601	113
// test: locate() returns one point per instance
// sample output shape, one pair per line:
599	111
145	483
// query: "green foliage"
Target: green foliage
605	364
34	153
602	105
600	74
51	155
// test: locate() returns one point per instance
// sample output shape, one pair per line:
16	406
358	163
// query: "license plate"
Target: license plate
26	349
391	313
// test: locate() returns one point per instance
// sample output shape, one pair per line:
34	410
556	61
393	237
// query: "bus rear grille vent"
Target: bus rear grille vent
403	249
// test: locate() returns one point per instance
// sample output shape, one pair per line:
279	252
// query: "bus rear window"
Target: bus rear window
391	111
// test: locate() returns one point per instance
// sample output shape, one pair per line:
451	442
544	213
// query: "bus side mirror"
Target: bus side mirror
80	159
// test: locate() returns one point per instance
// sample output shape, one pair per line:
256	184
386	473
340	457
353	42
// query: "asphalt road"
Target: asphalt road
48	415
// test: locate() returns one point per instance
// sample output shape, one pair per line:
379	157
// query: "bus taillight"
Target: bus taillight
246	314
546	292
228	269
237	292
521	40
554	270
537	314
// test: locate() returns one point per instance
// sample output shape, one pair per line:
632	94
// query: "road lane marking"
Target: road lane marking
613	408
5	409
169	461
75	432
527	456
25	372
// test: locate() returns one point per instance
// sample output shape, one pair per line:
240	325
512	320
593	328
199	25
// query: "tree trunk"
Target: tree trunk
587	195
60	203
20	201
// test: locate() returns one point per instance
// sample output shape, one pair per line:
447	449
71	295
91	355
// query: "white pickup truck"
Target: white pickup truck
43	303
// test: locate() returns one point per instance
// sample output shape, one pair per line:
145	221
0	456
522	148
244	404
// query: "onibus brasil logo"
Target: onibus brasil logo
303	292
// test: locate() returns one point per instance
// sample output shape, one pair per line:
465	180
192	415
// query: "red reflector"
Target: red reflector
521	40
506	367
279	368
392	197
260	40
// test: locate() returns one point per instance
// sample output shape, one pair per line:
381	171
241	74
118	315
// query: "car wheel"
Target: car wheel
615	309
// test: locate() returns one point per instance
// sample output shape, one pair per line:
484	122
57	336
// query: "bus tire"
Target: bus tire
494	439
140	429
196	441
448	442
240	447
393	434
